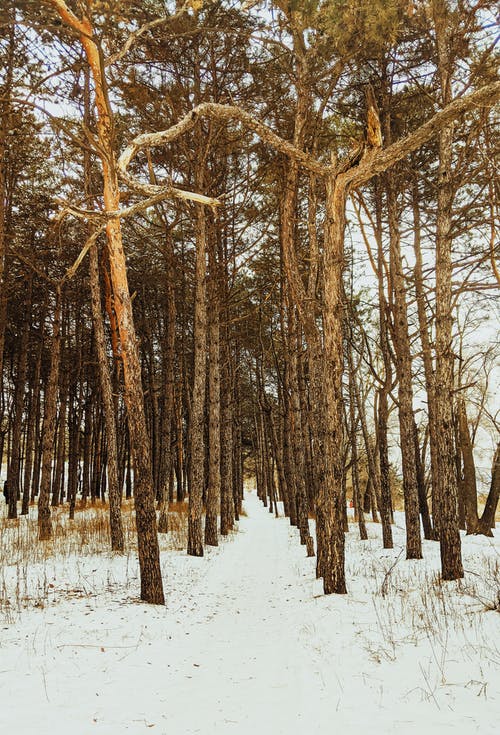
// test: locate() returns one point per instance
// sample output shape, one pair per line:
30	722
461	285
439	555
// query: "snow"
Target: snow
247	643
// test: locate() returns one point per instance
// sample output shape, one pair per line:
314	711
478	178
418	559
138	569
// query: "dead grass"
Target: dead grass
24	560
413	605
87	534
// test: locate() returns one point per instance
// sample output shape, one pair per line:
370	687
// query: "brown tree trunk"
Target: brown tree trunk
60	446
470	487
356	494
296	431
226	392
5	199
426	355
487	520
404	373
169	386
115	518
197	422
227	503
49	425
32	427
14	467
422	493
76	413
213	489
149	555
449	534
329	502
382	416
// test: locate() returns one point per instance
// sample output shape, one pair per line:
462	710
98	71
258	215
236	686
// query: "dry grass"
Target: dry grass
412	604
88	534
26	563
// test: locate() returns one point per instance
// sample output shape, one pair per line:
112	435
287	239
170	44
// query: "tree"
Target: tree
149	557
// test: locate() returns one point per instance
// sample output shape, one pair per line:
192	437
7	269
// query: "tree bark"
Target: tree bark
213	489
31	431
197	422
470	487
449	534
356	494
487	520
404	373
426	356
169	387
115	518
49	425
329	510
14	468
149	555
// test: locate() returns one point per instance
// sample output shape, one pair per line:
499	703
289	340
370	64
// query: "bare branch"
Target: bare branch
373	162
83	252
377	161
161	193
135	35
219	112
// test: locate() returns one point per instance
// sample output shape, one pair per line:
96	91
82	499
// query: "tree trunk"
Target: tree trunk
60	447
169	386
329	510
449	534
115	519
49	425
149	555
14	468
5	199
197	422
422	494
296	430
32	427
426	356
487	521
404	373
356	494
470	487
213	489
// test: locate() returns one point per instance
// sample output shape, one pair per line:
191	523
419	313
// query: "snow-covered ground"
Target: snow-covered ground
247	643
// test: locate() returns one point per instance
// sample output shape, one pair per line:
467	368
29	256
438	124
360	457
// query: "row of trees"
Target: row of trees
189	305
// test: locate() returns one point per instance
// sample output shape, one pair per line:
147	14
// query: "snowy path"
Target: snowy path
246	644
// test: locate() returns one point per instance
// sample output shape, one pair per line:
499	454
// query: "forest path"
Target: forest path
247	644
228	653
255	674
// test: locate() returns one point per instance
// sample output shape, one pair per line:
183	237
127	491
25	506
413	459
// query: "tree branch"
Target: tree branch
144	29
377	161
373	162
218	112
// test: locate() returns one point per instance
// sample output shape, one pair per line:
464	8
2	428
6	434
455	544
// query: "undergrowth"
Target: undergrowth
28	565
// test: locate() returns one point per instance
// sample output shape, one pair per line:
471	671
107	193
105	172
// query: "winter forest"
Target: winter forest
249	358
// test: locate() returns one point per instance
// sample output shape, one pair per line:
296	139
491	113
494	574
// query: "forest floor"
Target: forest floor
248	644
